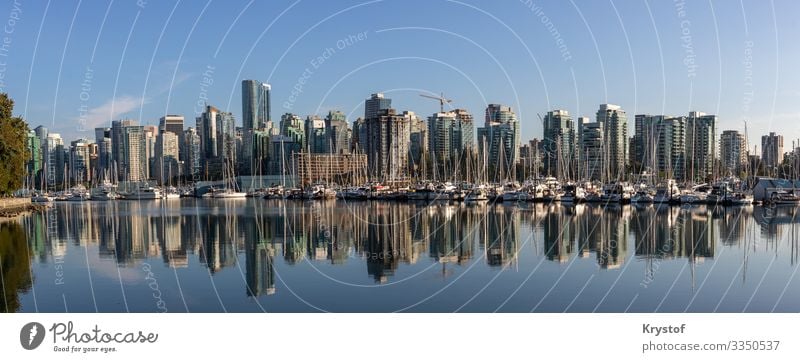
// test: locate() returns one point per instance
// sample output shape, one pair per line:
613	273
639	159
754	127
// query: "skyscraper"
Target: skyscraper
660	144
292	126
771	151
418	141
338	132
207	128
316	138
167	167
192	153
499	138
79	161
52	164
615	137
559	143
386	145
701	145
171	123
255	104
374	104
132	161
592	163
733	152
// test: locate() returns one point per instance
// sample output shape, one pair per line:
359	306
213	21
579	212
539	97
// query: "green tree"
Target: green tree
13	151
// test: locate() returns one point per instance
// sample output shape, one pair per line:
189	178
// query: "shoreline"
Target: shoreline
13	207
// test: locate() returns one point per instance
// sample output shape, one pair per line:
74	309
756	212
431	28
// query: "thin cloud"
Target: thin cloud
110	110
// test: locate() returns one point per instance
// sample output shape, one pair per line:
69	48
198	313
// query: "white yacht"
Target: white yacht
144	193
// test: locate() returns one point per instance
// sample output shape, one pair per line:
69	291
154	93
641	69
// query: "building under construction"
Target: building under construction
342	169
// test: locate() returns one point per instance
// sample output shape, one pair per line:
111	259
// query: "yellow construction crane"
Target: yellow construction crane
442	100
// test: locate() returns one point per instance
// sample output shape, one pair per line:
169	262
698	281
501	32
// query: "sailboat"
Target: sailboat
229	191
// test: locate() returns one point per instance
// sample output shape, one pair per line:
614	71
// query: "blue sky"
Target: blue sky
735	59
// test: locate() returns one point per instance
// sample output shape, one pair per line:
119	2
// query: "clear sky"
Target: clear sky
68	61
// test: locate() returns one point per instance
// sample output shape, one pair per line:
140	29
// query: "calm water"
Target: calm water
293	256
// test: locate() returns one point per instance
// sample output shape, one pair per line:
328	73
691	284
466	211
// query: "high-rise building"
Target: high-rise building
226	137
53	159
530	156
338	132
171	123
660	144
131	153
117	142
615	137
771	151
255	104
733	152
359	136
463	139
293	126
192	153
374	104
592	162
102	137
167	166
150	136
440	133
558	143
386	145
34	164
207	128
418	141
316	138
79	161
701	145
282	150
499	138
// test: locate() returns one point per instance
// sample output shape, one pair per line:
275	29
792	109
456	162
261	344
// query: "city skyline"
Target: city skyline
529	56
400	146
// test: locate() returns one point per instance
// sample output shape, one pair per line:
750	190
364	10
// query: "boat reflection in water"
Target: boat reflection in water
212	255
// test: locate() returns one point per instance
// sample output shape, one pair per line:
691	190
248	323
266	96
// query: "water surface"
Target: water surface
194	255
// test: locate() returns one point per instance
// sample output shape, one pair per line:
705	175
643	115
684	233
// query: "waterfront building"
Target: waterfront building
34	164
614	122
701	145
192	153
499	139
592	145
207	128
255	104
660	145
558	142
359	135
733	152
53	159
338	132
130	152
315	130
418	142
79	161
375	104
150	135
167	165
386	143
293	126
105	163
171	123
335	168
771	151
530	157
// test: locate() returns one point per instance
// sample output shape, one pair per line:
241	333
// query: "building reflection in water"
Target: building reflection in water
383	235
